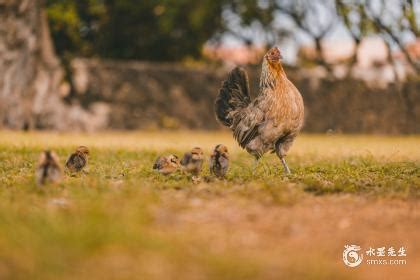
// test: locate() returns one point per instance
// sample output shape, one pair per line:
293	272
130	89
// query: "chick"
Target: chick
192	162
219	161
78	160
166	164
48	169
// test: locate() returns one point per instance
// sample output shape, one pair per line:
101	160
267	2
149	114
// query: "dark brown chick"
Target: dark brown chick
192	162
219	161
166	164
271	121
78	160
48	169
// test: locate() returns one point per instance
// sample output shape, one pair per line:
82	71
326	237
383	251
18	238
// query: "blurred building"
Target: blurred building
237	55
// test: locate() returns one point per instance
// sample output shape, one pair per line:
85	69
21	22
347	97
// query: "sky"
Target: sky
290	46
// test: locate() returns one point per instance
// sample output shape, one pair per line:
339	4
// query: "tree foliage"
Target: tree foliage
395	21
165	30
172	30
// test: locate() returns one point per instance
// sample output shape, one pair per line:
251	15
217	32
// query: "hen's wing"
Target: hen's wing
246	124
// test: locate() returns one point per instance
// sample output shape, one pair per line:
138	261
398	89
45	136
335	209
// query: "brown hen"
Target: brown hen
271	121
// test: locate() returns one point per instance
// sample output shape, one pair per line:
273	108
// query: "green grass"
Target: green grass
114	221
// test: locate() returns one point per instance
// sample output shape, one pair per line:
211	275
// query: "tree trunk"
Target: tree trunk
30	73
31	76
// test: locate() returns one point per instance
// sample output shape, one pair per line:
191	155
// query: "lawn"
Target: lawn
121	220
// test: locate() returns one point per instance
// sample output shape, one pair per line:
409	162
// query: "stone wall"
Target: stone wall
142	95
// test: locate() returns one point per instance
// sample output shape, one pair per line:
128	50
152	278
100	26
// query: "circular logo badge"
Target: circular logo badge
350	256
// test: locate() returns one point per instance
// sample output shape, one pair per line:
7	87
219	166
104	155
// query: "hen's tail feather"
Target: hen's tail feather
233	95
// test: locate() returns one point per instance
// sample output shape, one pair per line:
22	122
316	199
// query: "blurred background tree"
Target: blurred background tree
168	30
174	30
396	22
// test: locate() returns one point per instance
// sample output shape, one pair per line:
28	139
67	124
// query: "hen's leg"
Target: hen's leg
286	168
255	165
256	162
280	154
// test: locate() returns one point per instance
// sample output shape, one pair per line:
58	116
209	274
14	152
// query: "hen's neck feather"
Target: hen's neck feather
272	76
